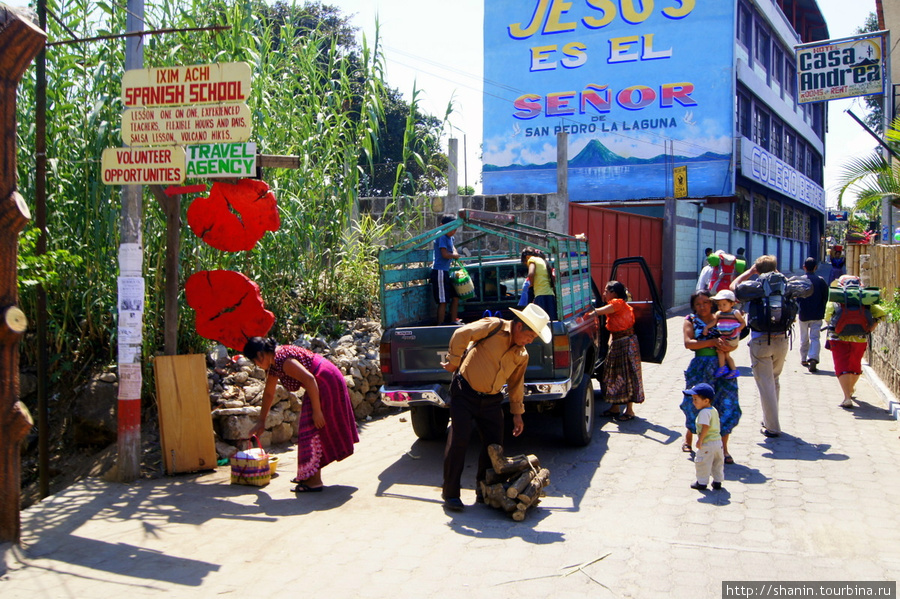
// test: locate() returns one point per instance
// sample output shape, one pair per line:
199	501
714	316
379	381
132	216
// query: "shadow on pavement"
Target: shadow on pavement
571	468
720	497
789	447
301	504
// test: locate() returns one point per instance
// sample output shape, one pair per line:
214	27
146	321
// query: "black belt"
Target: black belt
467	388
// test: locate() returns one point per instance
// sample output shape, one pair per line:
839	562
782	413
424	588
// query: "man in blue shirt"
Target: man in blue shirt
441	287
812	311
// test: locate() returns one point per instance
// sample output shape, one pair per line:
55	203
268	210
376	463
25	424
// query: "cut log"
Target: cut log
534	488
518	485
491	477
518	515
503	465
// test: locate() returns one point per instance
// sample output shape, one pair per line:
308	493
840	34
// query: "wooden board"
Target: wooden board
185	421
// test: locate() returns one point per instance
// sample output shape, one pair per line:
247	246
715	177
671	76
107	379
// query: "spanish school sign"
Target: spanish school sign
842	68
179	86
186	124
637	85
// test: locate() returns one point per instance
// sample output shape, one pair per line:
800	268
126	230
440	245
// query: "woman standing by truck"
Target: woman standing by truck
540	280
622	375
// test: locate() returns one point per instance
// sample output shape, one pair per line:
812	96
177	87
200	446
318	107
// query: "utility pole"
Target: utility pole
131	290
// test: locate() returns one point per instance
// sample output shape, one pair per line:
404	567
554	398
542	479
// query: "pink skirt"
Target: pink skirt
316	448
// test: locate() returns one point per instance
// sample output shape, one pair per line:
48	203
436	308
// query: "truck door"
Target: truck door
649	315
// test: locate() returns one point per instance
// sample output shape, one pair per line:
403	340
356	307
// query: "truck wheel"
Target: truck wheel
578	414
429	422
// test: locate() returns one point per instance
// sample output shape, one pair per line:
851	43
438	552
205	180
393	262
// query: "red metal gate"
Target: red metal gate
612	235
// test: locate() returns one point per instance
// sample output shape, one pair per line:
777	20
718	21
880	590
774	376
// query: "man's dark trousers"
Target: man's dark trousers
470	410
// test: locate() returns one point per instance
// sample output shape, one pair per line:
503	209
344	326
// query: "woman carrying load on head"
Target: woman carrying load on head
326	427
702	368
622	374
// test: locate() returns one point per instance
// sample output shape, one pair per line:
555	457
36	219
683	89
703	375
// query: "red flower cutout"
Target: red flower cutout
235	215
228	306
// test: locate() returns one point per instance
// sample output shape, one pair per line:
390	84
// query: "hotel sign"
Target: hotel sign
842	68
767	169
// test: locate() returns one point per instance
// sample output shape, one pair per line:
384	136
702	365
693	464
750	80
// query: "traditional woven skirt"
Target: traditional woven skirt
622	374
701	370
316	448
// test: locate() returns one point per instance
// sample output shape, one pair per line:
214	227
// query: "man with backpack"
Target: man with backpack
769	317
812	311
850	320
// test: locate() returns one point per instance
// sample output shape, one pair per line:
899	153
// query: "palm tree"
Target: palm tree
873	178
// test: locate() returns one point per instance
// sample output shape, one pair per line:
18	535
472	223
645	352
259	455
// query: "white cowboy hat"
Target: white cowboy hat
536	319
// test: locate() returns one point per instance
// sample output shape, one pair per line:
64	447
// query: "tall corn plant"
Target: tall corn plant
308	100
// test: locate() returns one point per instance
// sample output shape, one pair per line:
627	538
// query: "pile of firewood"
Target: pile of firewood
514	484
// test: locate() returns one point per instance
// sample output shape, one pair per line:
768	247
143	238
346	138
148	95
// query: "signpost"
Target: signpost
180	86
222	160
841	68
143	166
186	125
679	175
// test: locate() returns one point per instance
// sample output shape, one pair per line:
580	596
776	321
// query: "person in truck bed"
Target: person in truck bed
441	287
484	356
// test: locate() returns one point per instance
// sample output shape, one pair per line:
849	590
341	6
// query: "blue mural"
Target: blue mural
640	86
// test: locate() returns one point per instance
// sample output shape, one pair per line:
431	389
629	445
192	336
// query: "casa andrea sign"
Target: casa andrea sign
768	170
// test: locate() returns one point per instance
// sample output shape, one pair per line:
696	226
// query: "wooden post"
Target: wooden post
20	42
171	206
128	443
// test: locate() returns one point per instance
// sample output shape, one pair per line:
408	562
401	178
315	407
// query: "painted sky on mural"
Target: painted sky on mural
438	45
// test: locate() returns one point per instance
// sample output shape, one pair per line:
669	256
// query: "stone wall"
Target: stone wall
236	388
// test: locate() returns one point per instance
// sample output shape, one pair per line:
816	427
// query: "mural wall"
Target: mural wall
639	85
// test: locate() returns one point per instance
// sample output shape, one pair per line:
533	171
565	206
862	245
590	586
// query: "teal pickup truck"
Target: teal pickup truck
558	379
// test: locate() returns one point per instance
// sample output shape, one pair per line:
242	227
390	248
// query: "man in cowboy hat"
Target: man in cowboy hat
484	356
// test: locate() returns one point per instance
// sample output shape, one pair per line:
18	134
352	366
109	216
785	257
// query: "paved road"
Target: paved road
817	504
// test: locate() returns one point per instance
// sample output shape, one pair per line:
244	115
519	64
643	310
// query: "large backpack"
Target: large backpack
773	311
725	267
852	314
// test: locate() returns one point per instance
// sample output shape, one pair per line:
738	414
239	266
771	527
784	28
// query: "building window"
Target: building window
774	217
742	210
745	26
763	49
761	127
804	227
742	109
800	165
815	167
789	217
790	77
818	120
778	66
788	150
759	213
777	132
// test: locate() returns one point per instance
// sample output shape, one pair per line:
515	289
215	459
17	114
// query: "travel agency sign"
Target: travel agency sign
201	107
